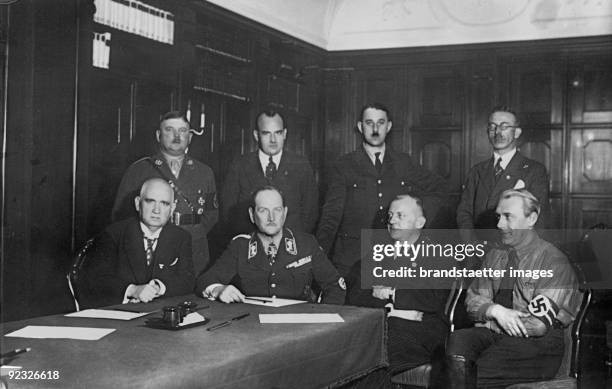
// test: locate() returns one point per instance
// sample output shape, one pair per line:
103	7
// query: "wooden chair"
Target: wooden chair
569	372
419	377
74	275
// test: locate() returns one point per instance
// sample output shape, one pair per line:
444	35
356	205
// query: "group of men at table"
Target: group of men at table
270	202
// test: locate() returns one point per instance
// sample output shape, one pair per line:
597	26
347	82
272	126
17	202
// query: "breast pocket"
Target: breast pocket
302	280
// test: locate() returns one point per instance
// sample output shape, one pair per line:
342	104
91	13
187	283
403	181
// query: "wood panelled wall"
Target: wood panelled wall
72	129
441	97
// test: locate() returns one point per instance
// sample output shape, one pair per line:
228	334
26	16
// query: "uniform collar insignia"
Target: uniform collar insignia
158	162
252	248
290	246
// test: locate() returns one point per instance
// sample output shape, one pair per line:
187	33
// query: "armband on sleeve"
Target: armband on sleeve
544	309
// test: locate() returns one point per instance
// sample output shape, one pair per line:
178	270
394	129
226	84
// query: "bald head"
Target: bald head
155	203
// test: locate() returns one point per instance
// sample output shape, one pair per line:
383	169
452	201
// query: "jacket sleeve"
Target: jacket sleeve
181	280
480	293
465	210
127	191
211	214
104	286
222	272
231	190
333	209
309	198
326	275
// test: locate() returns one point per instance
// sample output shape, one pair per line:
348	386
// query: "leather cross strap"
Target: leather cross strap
172	184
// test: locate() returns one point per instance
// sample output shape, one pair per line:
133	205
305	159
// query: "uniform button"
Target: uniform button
273	285
380	195
273	274
273	296
403	183
379	182
354	185
381	207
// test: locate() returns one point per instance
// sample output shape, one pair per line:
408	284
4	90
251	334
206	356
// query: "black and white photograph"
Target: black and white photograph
305	194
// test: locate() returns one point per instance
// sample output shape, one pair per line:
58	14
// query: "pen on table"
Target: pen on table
228	322
16	352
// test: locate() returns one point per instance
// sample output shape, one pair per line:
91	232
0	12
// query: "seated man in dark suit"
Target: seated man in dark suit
416	322
273	261
139	260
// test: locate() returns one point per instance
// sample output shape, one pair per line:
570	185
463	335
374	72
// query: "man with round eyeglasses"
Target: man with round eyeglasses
507	169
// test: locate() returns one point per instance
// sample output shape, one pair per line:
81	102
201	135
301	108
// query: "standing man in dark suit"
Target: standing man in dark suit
138	260
270	165
193	182
507	169
362	184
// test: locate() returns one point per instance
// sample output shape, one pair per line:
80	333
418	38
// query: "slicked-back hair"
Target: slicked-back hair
505	108
530	202
375	105
269	112
174	115
263	188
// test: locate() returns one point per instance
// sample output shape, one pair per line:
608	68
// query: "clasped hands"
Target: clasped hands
513	322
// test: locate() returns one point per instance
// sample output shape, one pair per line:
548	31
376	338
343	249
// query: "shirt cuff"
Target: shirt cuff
128	292
160	286
208	292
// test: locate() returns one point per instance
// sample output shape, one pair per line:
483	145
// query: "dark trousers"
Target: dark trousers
412	343
504	360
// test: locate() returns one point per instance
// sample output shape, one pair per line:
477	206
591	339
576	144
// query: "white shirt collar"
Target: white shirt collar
370	151
147	232
264	159
505	159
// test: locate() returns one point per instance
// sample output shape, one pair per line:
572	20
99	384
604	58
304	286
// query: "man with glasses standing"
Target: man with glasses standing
507	169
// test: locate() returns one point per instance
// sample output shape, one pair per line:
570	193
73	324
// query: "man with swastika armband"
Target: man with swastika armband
518	336
273	261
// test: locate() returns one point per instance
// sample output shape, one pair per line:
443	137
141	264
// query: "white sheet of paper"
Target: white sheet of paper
265	318
193	317
56	332
107	314
271	301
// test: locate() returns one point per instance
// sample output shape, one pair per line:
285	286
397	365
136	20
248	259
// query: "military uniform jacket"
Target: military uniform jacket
298	262
481	193
533	254
358	198
196	181
118	259
294	177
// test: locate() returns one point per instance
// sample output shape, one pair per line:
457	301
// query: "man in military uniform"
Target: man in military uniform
507	169
193	183
518	335
361	185
273	261
270	165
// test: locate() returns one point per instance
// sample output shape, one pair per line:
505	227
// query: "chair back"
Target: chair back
74	276
453	299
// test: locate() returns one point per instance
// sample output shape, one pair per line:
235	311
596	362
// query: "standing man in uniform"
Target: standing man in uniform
518	336
273	261
361	185
192	181
507	169
140	259
270	165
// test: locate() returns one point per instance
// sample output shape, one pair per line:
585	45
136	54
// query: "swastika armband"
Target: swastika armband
544	309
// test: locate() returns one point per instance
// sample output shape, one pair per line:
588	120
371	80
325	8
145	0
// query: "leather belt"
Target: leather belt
182	219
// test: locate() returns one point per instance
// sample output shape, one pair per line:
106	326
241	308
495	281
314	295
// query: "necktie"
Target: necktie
272	250
504	294
377	162
498	169
149	250
270	169
175	167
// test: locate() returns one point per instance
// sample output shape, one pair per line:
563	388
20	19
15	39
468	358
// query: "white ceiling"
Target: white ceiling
374	24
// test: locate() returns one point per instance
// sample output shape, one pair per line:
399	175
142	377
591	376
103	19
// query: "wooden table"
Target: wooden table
244	354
